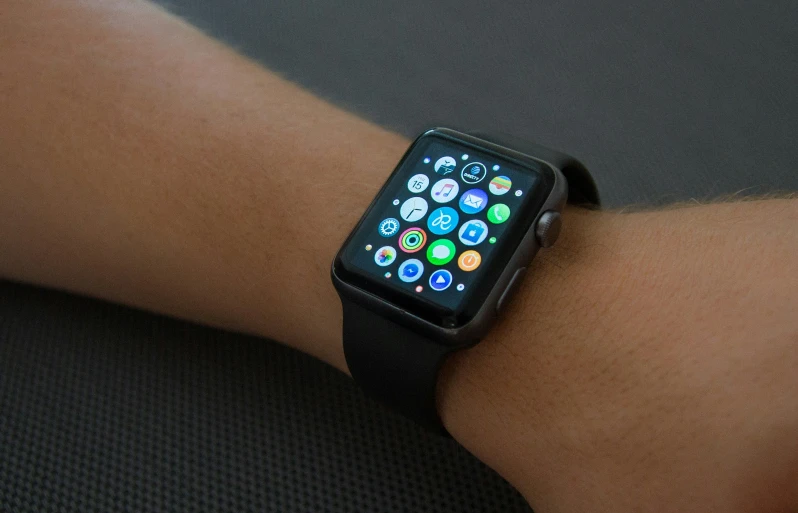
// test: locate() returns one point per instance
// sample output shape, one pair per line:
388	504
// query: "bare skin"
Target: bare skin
648	363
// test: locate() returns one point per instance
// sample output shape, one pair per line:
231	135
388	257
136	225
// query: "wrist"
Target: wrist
496	397
627	359
350	159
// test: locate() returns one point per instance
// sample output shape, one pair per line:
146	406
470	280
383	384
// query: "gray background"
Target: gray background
664	101
104	408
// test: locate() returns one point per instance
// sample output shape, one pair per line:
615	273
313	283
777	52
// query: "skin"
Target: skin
648	363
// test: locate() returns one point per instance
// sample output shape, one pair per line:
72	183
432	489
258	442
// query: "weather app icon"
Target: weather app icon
388	227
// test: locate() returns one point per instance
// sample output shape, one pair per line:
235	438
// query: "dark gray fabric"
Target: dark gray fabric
103	408
663	101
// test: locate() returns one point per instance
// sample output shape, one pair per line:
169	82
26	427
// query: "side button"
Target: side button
507	295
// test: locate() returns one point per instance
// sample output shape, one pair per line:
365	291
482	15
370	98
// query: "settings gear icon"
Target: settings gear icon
388	227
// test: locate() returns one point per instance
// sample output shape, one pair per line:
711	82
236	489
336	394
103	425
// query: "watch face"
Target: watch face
444	226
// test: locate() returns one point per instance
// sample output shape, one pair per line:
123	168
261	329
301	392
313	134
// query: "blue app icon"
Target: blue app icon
473	232
473	201
411	270
443	220
388	227
440	280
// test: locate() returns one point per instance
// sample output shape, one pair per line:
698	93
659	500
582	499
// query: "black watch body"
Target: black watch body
438	254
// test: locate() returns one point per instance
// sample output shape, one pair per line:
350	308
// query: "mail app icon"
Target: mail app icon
473	201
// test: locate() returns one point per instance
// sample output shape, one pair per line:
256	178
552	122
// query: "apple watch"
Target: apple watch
439	253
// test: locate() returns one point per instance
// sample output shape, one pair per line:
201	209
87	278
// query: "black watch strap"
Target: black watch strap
393	364
582	188
398	366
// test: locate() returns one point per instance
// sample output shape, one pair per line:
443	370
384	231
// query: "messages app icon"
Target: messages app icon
441	252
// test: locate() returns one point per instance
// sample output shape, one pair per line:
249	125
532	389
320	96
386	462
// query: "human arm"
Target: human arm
146	164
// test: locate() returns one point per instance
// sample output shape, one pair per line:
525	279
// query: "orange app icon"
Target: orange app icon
469	260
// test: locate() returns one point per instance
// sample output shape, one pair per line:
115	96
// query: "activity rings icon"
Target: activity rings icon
412	240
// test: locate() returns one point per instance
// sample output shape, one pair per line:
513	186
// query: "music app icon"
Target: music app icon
444	190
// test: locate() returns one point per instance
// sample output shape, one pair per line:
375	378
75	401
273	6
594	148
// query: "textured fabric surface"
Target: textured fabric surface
103	408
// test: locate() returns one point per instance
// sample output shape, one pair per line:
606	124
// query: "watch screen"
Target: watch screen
443	227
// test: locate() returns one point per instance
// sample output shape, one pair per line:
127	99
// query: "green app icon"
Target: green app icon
441	252
499	213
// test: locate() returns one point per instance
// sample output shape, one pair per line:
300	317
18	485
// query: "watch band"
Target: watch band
582	188
393	364
398	366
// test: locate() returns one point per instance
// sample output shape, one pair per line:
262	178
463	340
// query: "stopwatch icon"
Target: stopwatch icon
388	227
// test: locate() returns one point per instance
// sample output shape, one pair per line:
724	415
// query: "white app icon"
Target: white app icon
413	209
418	183
473	200
411	270
445	165
444	190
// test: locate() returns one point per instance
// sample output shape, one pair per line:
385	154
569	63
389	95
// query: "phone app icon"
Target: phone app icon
412	240
444	190
385	256
473	173
418	183
500	185
469	260
413	209
441	252
445	165
443	220
499	213
388	227
440	280
473	232
411	270
473	201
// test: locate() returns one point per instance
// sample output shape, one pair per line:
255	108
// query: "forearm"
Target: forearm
146	164
648	363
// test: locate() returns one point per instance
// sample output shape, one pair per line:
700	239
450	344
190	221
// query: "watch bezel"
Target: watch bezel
473	328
